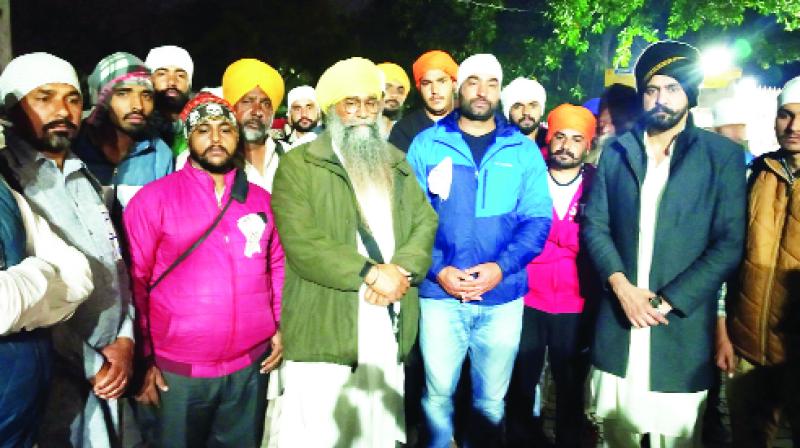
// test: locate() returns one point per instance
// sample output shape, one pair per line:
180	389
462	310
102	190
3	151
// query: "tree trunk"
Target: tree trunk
5	33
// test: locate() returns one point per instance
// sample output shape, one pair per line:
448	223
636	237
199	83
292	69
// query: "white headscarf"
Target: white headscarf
29	71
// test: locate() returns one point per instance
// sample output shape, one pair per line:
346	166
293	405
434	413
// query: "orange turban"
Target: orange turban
567	116
434	59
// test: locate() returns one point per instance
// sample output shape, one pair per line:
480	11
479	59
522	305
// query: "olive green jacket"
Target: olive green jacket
317	218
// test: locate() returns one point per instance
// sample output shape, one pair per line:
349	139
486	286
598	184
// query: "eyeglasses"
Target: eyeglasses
353	105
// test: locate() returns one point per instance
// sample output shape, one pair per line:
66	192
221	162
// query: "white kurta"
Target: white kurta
563	195
629	401
271	159
326	405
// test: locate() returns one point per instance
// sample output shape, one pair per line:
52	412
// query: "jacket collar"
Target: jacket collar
27	161
632	143
205	179
772	161
448	133
503	127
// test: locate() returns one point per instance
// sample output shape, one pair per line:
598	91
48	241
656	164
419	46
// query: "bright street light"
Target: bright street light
716	61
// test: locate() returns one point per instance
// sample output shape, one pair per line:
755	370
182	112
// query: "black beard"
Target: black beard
466	111
528	130
300	128
229	164
666	123
55	142
393	115
170	104
49	142
140	132
552	161
563	165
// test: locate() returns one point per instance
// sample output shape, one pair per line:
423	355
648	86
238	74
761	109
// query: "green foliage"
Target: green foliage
584	37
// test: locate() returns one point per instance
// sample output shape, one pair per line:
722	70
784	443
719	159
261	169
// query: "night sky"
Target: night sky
298	37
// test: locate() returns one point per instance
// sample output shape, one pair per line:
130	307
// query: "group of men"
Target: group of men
165	251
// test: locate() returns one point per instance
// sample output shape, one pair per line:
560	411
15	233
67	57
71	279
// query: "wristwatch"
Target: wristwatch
656	301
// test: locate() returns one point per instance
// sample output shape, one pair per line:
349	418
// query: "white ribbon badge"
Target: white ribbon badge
252	226
440	178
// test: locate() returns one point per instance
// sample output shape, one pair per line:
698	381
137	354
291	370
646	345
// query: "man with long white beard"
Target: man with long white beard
357	232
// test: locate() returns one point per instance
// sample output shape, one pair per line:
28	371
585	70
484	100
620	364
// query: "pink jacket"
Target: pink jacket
554	285
216	311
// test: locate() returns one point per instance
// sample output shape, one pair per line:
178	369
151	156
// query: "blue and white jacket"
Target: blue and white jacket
498	212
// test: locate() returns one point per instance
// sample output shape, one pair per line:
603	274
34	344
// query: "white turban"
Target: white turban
216	91
301	93
790	92
479	64
167	55
522	90
29	71
729	111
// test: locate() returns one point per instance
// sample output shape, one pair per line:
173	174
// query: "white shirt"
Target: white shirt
562	194
271	159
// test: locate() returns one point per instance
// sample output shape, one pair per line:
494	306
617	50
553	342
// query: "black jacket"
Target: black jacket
699	241
404	131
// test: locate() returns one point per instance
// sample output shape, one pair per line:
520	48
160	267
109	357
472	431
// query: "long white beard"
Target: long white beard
365	155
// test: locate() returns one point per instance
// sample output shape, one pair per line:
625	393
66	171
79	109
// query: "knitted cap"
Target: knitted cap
114	69
206	106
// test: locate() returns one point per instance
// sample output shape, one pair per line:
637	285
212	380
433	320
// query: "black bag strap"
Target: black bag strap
374	252
279	147
238	193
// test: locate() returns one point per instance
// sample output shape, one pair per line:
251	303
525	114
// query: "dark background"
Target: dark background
301	38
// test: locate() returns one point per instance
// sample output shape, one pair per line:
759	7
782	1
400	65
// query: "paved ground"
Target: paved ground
784	437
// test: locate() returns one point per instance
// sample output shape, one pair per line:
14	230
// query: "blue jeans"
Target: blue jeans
25	370
449	330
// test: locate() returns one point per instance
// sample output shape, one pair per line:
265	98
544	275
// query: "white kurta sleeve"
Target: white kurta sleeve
48	285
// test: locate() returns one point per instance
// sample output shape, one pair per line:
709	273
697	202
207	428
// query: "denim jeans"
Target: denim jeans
449	330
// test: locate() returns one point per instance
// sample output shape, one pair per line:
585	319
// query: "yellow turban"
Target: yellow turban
395	74
350	77
245	74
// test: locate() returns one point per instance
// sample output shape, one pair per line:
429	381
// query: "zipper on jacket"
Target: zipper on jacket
483	201
234	296
766	309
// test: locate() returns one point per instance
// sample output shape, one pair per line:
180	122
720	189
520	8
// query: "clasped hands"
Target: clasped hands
636	303
470	284
386	284
113	377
